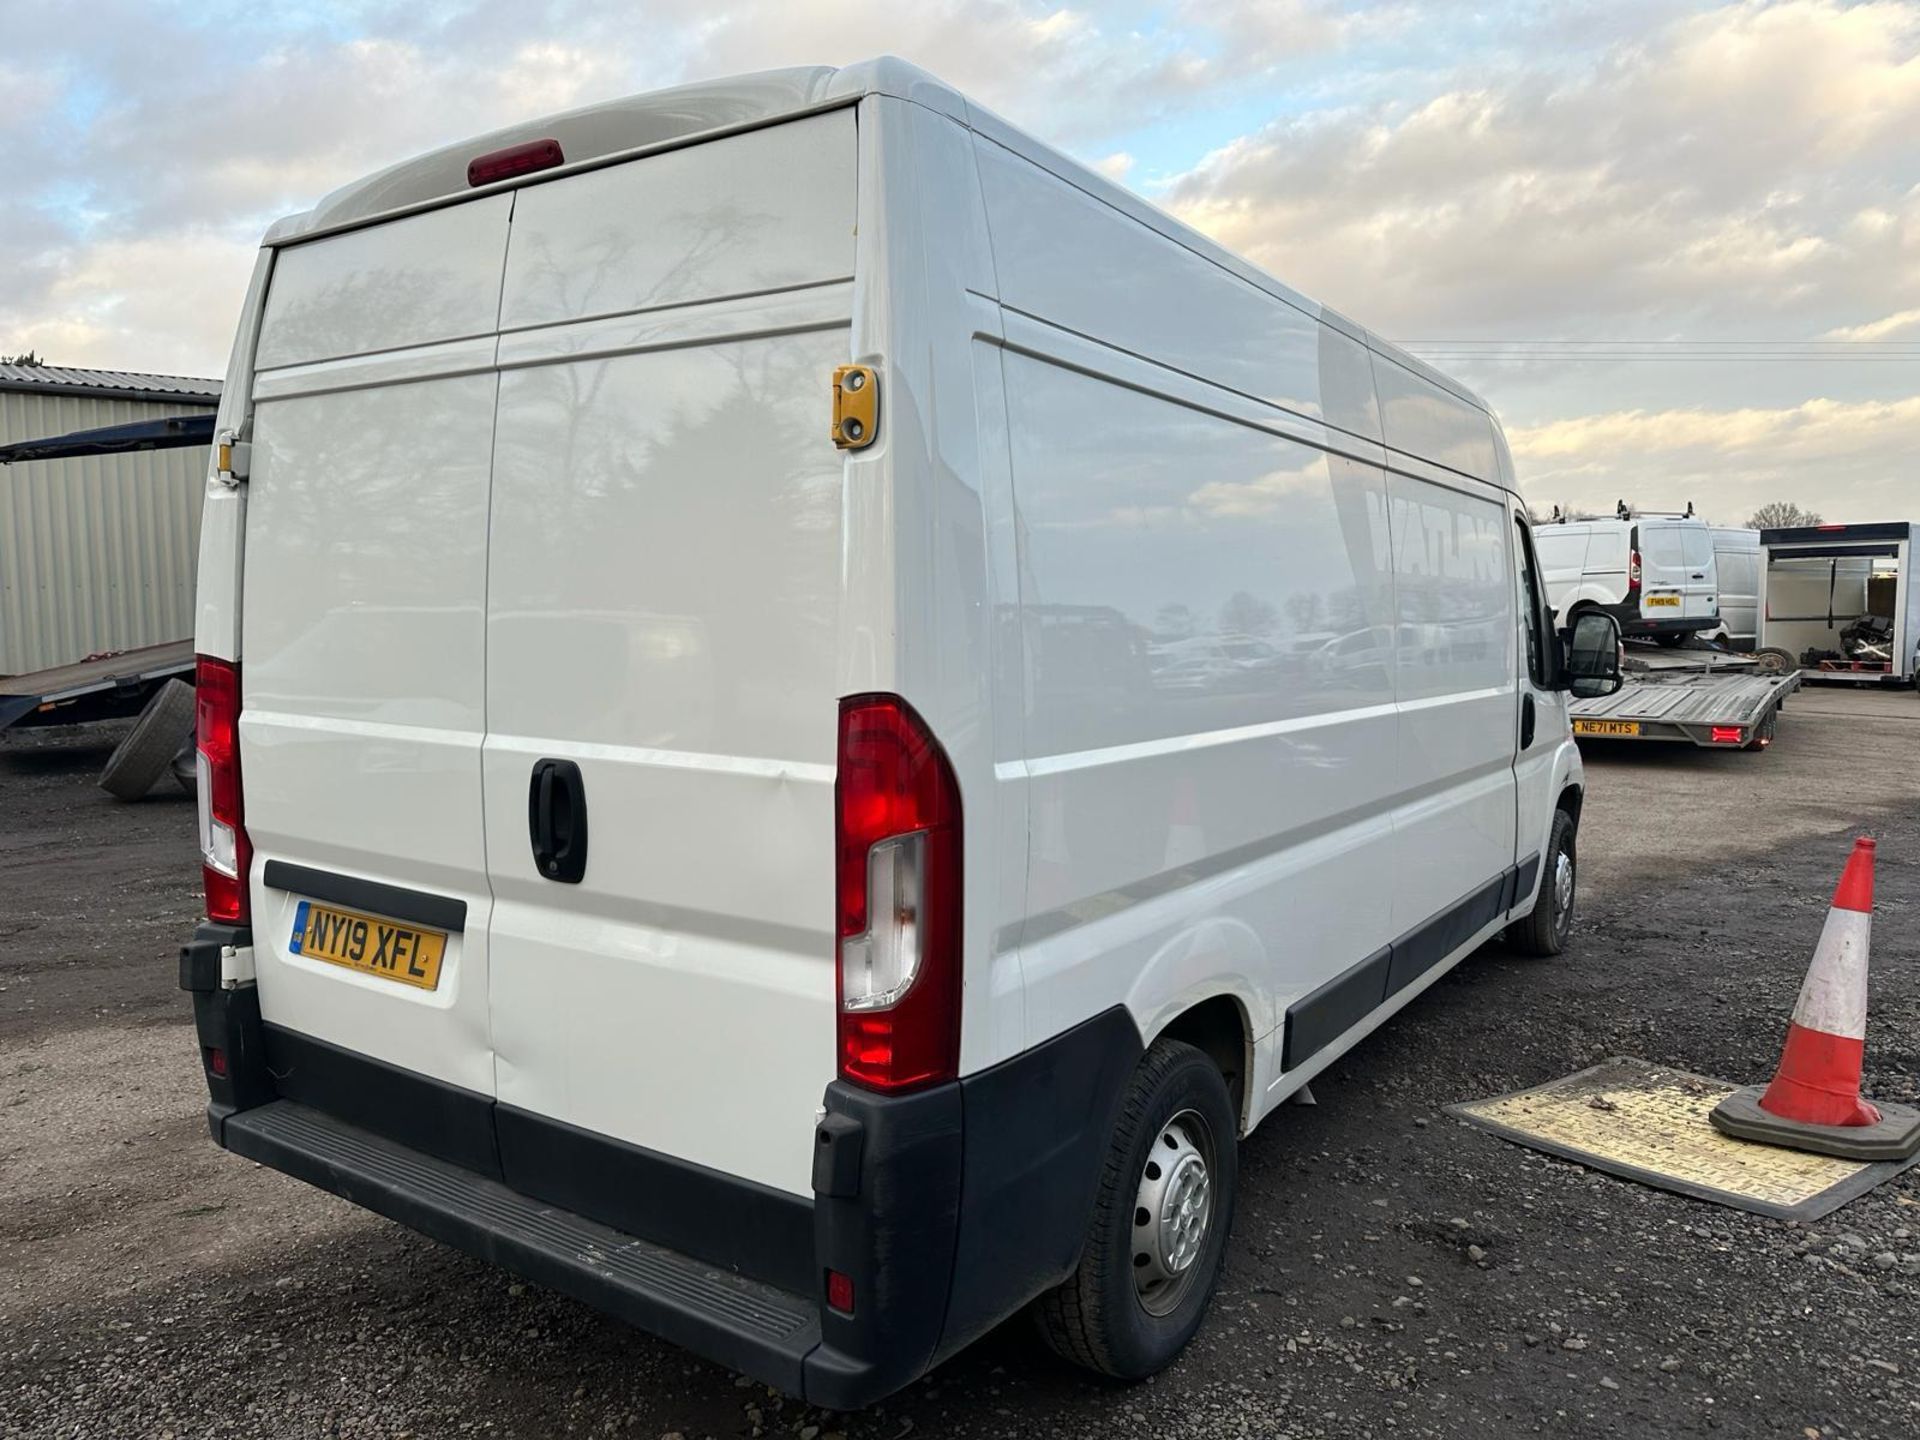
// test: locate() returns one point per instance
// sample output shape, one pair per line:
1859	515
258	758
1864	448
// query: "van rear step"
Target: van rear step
754	1328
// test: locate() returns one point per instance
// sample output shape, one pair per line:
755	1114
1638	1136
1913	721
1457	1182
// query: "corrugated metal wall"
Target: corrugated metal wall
95	553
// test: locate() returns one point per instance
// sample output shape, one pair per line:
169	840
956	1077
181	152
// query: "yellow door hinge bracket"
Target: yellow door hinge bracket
856	406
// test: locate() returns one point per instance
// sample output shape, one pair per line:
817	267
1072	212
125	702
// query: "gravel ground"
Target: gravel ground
1392	1272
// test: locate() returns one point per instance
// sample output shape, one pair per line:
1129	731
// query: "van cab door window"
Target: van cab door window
1533	605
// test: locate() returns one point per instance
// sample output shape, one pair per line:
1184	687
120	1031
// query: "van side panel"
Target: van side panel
1455	678
664	612
1207	628
1423	422
1064	256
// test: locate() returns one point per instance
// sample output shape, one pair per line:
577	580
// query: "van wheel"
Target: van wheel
1545	931
1160	1222
1772	660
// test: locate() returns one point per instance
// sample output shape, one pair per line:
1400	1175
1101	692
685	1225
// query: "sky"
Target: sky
1675	246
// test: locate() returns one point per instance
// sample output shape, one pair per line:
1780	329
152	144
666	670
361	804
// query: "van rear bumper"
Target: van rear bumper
1632	622
755	1328
949	1208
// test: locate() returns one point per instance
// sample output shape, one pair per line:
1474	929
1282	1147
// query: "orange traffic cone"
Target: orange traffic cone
1818	1082
1814	1102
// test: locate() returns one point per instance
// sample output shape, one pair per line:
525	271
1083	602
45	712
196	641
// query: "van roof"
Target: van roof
615	130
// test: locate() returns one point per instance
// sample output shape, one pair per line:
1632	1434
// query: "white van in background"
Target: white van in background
1736	565
1654	574
807	710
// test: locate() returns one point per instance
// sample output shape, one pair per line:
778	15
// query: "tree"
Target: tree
25	357
1307	610
1781	515
1245	614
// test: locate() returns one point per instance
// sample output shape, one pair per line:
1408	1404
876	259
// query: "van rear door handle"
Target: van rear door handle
557	820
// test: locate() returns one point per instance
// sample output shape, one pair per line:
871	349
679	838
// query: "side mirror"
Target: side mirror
1590	664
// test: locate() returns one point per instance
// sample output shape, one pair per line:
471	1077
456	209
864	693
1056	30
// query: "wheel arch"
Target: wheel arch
1572	796
1219	1028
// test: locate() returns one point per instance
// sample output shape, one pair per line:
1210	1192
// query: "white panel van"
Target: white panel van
1655	575
1736	568
806	711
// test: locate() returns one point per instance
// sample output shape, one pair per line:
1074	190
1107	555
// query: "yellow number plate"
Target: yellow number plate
1672	601
1606	727
369	944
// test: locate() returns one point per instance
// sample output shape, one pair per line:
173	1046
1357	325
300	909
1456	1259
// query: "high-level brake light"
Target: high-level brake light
225	852
514	160
897	862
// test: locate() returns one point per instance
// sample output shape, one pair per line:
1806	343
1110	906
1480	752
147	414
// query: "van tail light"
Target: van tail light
1633	569
225	853
897	878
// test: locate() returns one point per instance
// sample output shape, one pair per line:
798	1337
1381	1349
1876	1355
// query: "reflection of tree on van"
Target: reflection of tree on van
1248	614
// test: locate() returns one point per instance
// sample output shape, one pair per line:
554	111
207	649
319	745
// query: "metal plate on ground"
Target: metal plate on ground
1649	1123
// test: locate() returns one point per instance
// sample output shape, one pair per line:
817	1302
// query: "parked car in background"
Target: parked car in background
1736	564
869	518
1656	575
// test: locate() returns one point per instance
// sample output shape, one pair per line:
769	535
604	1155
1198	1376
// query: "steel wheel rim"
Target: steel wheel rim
1172	1213
1563	888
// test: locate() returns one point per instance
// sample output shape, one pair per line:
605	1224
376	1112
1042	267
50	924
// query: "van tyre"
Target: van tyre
144	756
1160	1222
1545	931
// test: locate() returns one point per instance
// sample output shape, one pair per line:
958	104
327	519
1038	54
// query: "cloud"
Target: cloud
99	300
1851	460
1729	169
171	133
1447	169
1901	322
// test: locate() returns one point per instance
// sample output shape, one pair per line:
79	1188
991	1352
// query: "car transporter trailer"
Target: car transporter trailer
1712	699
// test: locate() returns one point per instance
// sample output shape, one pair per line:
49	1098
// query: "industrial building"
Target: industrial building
97	552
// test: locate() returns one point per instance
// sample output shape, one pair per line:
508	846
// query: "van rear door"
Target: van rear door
1676	571
363	653
662	627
